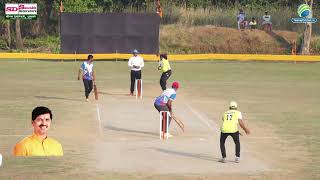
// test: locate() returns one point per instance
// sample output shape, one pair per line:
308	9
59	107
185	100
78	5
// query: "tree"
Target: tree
305	50
19	44
81	6
8	33
6	25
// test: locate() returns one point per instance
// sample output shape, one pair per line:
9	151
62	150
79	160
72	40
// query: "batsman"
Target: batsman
164	102
88	76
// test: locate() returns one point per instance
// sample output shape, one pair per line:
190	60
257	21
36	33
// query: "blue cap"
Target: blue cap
135	51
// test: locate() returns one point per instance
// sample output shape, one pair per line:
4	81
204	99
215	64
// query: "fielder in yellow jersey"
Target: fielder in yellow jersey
164	66
231	119
39	144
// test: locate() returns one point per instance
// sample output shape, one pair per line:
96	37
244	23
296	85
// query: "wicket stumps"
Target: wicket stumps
0	160
138	88
164	124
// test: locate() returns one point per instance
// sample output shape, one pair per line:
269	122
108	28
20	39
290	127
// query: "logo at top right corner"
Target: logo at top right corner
305	15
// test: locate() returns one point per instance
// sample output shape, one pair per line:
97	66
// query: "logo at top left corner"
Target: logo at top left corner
21	11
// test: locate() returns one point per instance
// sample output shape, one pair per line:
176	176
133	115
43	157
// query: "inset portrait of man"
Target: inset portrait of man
39	144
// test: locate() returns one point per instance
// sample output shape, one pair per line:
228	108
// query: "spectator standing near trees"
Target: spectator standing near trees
240	19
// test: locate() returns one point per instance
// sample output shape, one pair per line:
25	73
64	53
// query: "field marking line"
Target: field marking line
204	120
99	119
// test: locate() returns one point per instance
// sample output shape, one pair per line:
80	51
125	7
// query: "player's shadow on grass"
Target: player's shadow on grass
185	154
113	128
58	98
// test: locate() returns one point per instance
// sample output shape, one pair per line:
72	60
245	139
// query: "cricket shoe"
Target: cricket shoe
222	160
237	160
166	135
169	135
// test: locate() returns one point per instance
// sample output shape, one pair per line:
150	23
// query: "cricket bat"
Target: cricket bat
95	90
179	122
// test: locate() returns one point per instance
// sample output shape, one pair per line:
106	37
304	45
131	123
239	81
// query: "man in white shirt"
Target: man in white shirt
240	19
88	75
266	24
136	63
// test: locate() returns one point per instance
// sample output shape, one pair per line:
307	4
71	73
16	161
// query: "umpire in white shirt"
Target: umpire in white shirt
135	63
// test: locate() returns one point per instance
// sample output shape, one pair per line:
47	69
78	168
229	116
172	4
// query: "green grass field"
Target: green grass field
278	99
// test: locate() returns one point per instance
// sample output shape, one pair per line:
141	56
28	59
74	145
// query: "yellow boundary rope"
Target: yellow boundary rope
188	57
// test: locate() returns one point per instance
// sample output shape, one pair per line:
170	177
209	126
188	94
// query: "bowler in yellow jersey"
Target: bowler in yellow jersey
39	144
231	119
164	66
